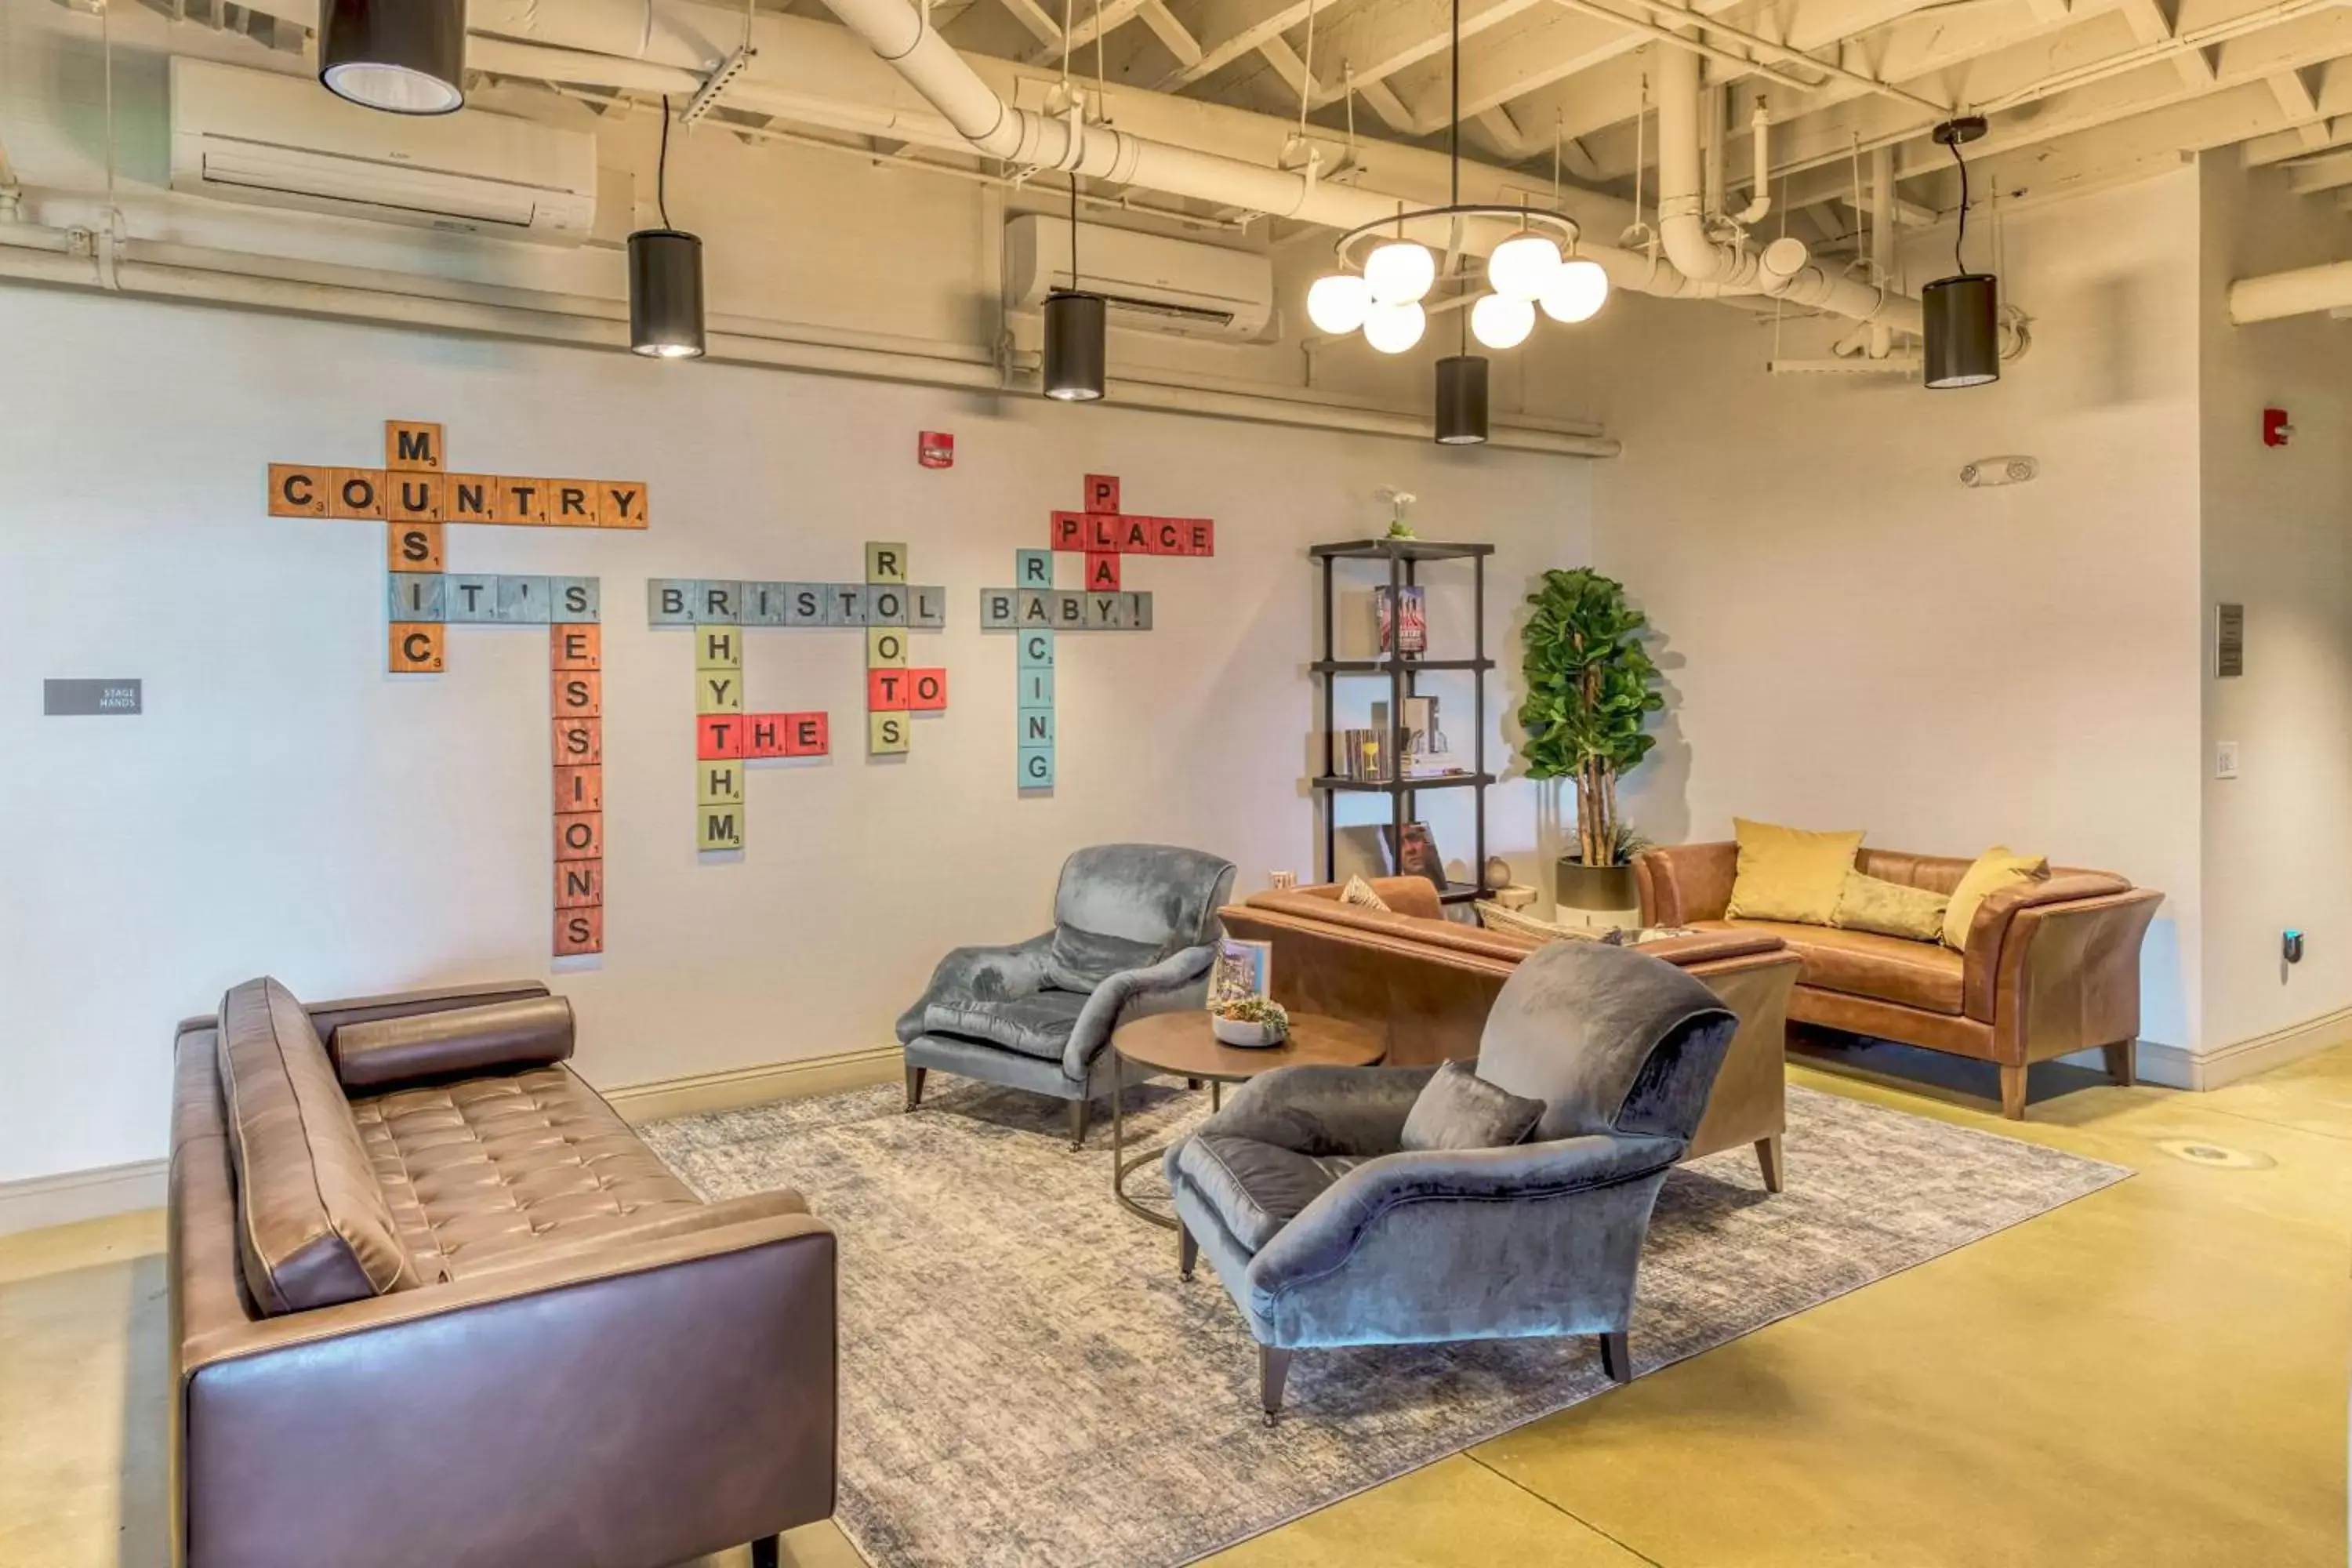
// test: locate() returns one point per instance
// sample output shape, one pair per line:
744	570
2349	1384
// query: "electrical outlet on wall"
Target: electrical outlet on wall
2225	759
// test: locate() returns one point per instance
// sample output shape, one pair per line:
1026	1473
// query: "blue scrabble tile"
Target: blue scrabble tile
1032	568
845	604
1037	767
416	596
1035	650
1036	689
1036	727
522	601
804	605
764	604
669	602
471	597
574	600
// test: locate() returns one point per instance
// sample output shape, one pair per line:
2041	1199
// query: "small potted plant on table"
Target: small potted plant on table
1250	1020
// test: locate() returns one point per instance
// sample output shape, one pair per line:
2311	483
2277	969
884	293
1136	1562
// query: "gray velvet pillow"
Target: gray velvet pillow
1459	1110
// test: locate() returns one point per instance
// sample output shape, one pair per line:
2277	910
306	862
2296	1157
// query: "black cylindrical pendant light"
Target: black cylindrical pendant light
1074	345
1461	400
666	293
1961	314
406	57
665	276
1075	322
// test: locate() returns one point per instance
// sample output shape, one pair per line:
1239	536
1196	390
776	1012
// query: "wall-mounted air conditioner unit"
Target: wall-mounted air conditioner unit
284	142
1152	284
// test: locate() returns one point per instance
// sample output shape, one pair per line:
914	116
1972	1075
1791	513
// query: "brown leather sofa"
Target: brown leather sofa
433	1303
1429	984
2051	966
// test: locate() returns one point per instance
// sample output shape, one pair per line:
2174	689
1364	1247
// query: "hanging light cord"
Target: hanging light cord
1453	132
1961	237
1074	230
661	167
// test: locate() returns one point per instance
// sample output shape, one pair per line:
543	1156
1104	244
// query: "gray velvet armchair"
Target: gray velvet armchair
1135	927
1328	1232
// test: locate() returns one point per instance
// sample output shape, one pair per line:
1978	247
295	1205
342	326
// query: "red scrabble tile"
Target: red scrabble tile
1135	535
1102	532
579	884
1199	536
578	790
580	835
719	735
1069	531
579	931
764	733
886	690
926	690
808	735
1167	535
1102	492
1102	572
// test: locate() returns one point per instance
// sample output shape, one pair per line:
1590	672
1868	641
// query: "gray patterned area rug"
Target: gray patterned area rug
1025	1380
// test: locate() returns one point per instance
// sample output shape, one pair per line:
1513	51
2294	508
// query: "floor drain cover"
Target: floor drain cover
2198	1151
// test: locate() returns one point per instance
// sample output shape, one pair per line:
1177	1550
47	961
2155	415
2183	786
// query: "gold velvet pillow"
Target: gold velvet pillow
1891	908
1994	869
1359	894
1790	873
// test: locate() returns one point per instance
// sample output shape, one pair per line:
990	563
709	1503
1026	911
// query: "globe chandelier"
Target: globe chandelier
1384	275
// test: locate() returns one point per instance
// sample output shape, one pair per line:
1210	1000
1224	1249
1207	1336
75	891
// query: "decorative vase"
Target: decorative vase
1578	885
1248	1035
1498	872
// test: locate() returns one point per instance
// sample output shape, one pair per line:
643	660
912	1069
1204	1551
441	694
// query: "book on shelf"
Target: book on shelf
1404	619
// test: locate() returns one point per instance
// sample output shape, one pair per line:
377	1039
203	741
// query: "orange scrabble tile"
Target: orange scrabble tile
576	646
579	931
469	497
578	694
413	546
579	789
580	835
579	741
413	498
355	494
575	503
518	499
416	649
412	447
624	503
298	489
579	884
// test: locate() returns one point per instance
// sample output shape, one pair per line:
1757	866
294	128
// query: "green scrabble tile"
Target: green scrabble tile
885	733
886	649
718	648
886	563
719	783
718	691
719	827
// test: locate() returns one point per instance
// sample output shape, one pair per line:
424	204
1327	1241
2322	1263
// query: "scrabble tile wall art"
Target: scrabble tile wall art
884	609
1036	612
417	499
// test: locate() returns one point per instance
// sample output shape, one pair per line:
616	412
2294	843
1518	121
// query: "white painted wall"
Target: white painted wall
1855	641
285	807
2277	843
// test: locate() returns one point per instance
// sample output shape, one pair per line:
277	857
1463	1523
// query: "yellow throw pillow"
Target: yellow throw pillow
1891	908
1359	894
1994	869
1790	873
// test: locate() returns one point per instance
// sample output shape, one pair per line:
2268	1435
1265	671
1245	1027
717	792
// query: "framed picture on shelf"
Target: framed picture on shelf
1242	969
1416	855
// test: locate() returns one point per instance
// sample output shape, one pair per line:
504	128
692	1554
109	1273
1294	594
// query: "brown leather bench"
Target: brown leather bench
433	1303
1428	982
2051	966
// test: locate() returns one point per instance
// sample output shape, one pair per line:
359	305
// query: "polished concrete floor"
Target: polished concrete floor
2154	1375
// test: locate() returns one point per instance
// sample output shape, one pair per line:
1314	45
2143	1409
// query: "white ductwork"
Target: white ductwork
800	73
2305	291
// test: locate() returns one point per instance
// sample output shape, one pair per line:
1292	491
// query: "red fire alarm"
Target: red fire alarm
2275	429
935	450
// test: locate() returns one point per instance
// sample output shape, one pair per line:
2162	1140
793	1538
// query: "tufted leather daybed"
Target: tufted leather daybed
433	1303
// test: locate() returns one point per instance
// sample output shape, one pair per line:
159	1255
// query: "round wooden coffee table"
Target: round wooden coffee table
1180	1044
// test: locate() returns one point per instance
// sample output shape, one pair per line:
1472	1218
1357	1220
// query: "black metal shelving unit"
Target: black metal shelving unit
1404	558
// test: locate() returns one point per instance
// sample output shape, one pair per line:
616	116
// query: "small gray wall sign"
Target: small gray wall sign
83	699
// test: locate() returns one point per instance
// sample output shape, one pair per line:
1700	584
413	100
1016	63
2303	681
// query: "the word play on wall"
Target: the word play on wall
414	496
726	737
1037	610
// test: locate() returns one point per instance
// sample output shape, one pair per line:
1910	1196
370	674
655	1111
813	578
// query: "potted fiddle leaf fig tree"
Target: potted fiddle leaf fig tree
1592	689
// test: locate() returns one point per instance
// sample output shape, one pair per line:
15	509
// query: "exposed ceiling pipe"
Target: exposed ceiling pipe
1759	191
2305	291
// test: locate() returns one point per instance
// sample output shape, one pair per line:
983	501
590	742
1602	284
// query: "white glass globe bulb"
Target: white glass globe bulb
1400	271
1522	265
1577	290
1392	329
1500	321
1337	304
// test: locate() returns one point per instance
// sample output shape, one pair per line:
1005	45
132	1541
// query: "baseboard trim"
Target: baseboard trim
35	1203
738	1086
2260	1053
